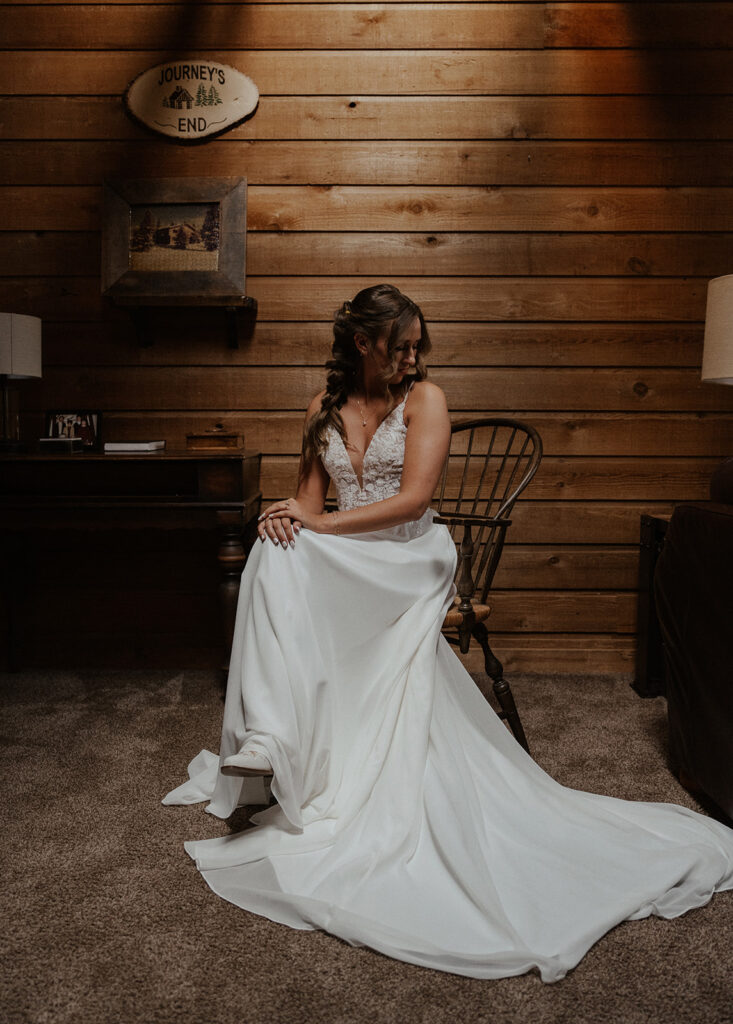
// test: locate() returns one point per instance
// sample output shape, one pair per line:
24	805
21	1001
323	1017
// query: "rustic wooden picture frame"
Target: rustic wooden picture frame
135	286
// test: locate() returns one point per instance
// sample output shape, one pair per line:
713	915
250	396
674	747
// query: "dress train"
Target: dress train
408	818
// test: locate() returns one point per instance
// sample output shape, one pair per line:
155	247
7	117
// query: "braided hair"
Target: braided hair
371	313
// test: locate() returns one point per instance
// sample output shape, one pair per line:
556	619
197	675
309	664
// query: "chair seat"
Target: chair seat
454	618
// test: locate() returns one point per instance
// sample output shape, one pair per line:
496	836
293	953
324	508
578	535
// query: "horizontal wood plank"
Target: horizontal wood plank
562	653
442	253
642	25
471	298
563	611
418	72
280	388
316	26
369	26
394	208
405	162
487	298
490	209
584	522
196	336
279	433
571	522
388	117
568	479
589	521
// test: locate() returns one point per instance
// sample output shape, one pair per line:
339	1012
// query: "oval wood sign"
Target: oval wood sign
191	100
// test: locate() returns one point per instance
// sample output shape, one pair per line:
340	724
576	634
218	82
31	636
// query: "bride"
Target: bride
407	818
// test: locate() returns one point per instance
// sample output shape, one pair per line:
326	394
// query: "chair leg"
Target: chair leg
495	671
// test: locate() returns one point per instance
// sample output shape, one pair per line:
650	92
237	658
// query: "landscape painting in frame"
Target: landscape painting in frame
174	236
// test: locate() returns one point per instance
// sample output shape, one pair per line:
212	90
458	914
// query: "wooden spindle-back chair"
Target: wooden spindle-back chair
491	461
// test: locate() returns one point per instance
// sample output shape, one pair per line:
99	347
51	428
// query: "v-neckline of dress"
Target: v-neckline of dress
360	483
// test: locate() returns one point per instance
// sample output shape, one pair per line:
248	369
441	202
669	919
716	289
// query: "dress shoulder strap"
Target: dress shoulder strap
403	403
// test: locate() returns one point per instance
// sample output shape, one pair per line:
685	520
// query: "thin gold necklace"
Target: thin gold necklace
361	413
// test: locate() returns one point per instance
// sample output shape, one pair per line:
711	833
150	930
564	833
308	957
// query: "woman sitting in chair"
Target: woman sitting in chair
407	818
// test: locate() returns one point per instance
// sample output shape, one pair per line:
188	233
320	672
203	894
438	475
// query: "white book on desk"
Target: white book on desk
134	446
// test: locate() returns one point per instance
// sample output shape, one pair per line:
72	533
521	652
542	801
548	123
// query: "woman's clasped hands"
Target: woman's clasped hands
282	521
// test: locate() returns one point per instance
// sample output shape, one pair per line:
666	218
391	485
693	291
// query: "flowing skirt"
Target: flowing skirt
408	819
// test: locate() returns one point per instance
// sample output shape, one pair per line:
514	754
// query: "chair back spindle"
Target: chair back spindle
491	462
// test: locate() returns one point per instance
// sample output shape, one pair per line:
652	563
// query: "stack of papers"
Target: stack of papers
134	446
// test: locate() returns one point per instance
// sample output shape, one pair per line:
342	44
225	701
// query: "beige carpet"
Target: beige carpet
106	919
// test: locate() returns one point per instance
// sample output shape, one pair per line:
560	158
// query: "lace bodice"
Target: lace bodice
382	466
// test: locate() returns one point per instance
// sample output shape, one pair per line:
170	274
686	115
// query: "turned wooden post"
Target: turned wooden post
231	560
465	588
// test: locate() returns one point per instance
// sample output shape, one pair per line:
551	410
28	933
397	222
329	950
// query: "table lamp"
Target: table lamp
717	361
20	357
717	356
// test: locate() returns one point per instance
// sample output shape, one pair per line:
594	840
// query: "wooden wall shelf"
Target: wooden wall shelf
240	313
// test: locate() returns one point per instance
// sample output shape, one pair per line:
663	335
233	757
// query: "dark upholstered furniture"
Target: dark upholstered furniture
694	596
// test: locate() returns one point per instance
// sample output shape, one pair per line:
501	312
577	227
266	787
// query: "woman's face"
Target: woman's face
405	351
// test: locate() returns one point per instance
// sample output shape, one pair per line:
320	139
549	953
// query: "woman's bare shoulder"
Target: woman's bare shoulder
315	404
426	396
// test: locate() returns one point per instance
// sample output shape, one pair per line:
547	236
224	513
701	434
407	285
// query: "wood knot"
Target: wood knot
592	210
637	265
352	104
553	560
641	389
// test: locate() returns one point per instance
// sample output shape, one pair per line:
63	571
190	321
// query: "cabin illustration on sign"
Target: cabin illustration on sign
178	98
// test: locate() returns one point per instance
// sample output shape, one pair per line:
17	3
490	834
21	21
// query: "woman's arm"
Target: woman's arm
426	449
311	495
313	485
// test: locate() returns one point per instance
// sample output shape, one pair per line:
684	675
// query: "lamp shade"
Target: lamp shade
717	358
20	345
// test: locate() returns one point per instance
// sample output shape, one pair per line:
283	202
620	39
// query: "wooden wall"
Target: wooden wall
550	181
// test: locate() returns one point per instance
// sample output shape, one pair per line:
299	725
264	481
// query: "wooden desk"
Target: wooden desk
116	491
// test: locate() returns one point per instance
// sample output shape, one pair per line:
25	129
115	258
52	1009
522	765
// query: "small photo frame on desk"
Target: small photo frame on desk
83	424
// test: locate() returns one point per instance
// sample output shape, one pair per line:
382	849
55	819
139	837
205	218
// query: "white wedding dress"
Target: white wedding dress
408	819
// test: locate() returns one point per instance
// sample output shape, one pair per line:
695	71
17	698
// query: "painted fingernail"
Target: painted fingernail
296	529
260	517
274	541
262	537
284	543
292	543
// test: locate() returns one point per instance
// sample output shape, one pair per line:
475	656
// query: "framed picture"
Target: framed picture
169	239
84	423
